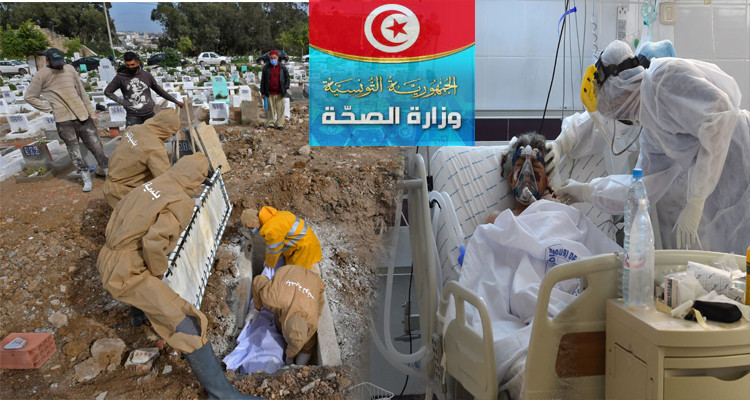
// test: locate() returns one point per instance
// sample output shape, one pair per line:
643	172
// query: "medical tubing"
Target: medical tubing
389	356
612	147
528	193
554	67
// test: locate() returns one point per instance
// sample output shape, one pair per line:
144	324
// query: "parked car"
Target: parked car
91	63
265	57
156	58
13	67
212	59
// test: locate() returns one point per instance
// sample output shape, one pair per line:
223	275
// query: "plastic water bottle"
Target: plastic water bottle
636	191
640	259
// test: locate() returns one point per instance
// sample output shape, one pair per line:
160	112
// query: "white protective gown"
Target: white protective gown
695	142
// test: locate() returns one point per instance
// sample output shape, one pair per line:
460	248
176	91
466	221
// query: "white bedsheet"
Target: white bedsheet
505	263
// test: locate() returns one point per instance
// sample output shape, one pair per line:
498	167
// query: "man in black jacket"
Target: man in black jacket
135	84
274	84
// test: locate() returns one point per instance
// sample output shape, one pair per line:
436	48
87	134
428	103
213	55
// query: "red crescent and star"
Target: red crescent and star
378	21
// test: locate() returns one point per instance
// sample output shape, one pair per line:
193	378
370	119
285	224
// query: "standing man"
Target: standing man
134	83
70	105
274	84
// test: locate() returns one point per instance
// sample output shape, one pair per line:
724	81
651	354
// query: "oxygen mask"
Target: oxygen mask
526	190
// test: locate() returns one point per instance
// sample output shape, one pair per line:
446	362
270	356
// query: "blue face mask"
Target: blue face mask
274	62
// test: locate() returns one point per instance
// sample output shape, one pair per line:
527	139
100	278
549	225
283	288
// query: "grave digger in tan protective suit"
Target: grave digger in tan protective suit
140	156
144	227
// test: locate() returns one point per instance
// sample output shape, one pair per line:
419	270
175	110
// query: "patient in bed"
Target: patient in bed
507	258
523	164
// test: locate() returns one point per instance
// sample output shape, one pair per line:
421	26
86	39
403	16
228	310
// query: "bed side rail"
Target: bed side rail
470	356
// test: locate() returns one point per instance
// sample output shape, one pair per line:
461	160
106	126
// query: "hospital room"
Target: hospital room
594	242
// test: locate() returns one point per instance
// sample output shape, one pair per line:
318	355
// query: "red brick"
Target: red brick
39	348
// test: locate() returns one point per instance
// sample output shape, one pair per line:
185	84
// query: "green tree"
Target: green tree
296	40
185	45
84	21
73	45
23	42
171	59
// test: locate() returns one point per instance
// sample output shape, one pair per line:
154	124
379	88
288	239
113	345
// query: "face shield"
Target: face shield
611	94
526	190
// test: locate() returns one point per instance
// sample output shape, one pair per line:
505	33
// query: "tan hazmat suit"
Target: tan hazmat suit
296	297
143	229
140	156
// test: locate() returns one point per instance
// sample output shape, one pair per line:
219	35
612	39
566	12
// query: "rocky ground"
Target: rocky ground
51	232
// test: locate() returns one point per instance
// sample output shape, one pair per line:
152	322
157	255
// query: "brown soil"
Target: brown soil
51	232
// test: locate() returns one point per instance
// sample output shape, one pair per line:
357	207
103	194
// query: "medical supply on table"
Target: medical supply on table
720	281
636	192
640	259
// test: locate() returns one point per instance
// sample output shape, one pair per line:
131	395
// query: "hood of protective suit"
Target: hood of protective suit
189	172
295	330
164	124
619	96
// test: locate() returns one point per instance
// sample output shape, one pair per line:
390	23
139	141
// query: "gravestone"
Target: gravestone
106	70
4	109
37	156
83	68
233	68
235	77
220	91
117	114
9	97
219	113
168	86
243	69
177	96
99	100
18	123
76	56
49	123
235	101
250	111
245	93
101	85
287	109
186	78
250	78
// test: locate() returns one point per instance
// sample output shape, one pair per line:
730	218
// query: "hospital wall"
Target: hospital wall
516	42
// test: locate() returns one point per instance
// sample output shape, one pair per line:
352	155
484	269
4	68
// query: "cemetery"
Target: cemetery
52	232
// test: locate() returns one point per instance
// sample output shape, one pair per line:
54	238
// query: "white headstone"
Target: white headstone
5	88
9	97
235	100
249	77
94	79
3	107
219	113
187	79
245	93
106	70
117	113
49	123
290	68
168	86
18	123
101	84
233	68
287	109
251	58
99	99
177	96
76	56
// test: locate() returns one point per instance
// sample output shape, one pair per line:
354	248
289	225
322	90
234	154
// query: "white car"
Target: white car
13	67
212	58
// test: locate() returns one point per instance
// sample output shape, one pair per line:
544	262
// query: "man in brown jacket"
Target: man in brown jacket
141	156
69	104
143	229
296	297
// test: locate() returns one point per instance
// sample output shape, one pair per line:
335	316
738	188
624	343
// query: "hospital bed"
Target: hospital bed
566	354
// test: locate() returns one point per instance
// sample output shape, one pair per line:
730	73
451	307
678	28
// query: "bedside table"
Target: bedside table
651	355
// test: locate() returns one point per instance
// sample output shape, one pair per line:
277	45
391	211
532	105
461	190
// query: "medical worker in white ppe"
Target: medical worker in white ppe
694	148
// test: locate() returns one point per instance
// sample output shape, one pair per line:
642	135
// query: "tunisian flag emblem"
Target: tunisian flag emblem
388	32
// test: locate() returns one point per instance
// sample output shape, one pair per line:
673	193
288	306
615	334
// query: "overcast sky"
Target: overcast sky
134	17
